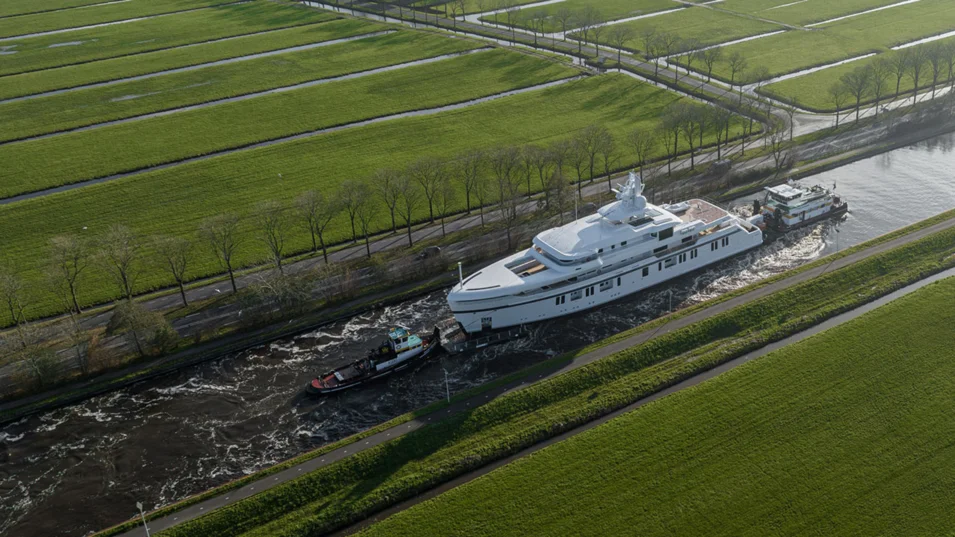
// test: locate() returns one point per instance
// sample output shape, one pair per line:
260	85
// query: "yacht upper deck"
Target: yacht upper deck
703	211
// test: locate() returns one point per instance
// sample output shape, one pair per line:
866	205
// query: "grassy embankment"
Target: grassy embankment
382	476
174	201
805	12
846	433
11	8
97	105
44	52
74	157
45	22
152	62
812	90
707	26
873	32
609	10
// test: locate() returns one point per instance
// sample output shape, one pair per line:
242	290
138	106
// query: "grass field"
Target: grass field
609	10
805	12
77	156
45	22
36	53
474	6
812	90
846	433
707	26
11	8
176	200
97	105
874	32
382	476
151	62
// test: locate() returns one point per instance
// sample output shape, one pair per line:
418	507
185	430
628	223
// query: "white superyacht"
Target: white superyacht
628	246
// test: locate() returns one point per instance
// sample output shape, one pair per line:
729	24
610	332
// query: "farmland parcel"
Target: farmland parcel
848	432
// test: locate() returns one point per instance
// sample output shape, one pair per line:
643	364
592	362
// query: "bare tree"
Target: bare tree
559	151
650	41
457	8
900	66
142	327
272	226
526	165
691	52
777	144
174	253
578	158
365	213
689	125
618	36
917	59
317	212
607	146
385	183
880	70
857	82
670	128
350	198
69	257
737	64
591	138
14	295
838	93
504	163
722	119
482	193
467	169
445	198
540	158
790	106
642	143
671	44
221	233
710	57
950	62
119	253
410	201
595	22
564	15
935	54
427	172
559	193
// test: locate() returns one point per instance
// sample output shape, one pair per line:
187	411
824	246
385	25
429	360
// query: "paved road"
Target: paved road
460	406
688	383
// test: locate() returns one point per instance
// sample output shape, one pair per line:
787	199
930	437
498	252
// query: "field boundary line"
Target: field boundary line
303	135
248	96
55	10
114	23
197	66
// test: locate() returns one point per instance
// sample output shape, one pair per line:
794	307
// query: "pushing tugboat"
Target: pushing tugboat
791	206
401	350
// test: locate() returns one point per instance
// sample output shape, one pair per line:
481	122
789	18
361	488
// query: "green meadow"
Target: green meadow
846	433
874	32
44	52
73	157
707	26
812	90
10	8
96	105
609	10
176	200
805	12
151	62
45	22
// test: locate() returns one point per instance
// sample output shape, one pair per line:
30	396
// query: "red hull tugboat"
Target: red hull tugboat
791	206
400	351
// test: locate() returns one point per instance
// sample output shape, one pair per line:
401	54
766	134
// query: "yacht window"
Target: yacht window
624	243
693	253
613	246
688	239
660	266
646	271
726	241
606	285
576	295
666	233
714	245
682	258
669	262
600	251
660	249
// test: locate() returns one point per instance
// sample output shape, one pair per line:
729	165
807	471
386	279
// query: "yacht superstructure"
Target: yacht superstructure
628	246
790	206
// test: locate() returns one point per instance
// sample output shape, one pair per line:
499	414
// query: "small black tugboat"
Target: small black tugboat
791	206
401	350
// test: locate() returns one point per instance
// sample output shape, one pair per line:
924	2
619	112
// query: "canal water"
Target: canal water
81	468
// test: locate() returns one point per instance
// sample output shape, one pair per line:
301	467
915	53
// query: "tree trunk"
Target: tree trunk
410	241
321	239
76	303
314	244
367	246
394	225
232	279
182	293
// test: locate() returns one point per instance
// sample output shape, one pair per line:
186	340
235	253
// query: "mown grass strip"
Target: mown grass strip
38	53
73	76
793	441
805	12
45	22
705	26
369	481
609	10
11	8
174	201
812	91
873	32
278	115
97	105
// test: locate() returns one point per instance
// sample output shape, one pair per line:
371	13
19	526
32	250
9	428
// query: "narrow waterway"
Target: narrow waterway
81	468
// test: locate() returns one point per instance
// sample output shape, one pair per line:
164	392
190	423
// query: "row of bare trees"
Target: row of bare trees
882	78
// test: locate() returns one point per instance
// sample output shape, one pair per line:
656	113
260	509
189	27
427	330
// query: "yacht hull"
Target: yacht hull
602	289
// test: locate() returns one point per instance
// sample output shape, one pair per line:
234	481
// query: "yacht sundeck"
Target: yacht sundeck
628	246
